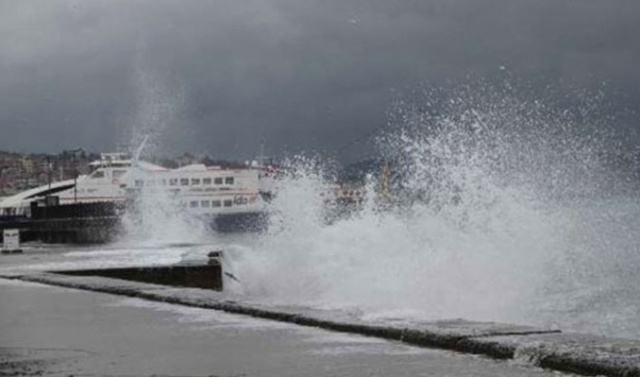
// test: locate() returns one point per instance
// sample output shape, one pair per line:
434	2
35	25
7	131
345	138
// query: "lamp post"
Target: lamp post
2	187
75	179
75	171
49	171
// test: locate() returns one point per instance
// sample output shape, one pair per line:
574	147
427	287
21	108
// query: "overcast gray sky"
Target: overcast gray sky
219	76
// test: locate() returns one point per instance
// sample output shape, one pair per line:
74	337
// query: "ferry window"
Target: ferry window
205	204
206	181
218	181
216	203
97	174
228	180
228	203
193	204
118	173
195	181
173	181
139	183
163	182
184	181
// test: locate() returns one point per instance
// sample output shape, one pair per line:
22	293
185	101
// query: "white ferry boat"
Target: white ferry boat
203	191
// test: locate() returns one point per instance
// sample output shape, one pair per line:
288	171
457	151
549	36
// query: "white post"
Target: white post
11	241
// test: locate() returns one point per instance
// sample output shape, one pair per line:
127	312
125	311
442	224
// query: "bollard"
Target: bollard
215	258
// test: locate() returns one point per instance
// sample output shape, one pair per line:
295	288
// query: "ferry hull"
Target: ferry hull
239	222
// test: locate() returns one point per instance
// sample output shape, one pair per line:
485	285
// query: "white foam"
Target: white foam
486	214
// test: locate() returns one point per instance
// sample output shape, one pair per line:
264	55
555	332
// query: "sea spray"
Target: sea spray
482	223
414	261
594	284
159	113
297	209
154	215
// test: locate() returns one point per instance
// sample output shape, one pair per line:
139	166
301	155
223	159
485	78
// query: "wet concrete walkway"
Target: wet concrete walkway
54	331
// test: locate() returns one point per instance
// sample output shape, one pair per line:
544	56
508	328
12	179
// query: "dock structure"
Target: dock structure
95	222
101	222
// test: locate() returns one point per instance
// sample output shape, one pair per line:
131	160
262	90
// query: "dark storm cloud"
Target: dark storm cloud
219	76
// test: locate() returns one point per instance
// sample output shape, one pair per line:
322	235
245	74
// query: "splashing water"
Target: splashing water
159	110
155	216
503	209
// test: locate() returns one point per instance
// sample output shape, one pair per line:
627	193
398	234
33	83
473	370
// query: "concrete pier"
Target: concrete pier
547	348
577	353
51	331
